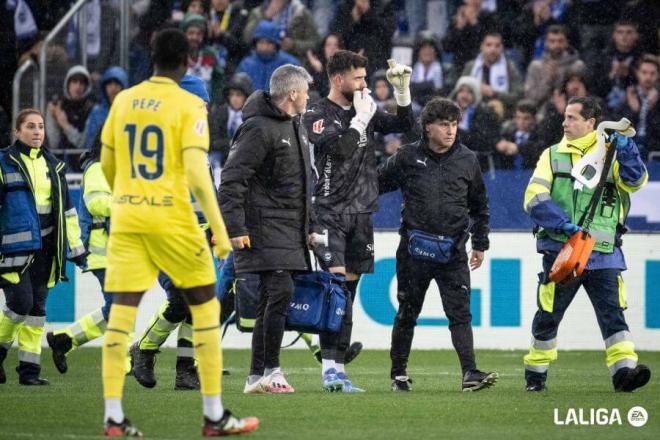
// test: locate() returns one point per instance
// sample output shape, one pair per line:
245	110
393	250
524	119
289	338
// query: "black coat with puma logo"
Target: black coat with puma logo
265	192
442	193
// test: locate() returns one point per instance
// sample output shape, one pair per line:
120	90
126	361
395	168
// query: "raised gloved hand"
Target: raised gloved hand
365	107
570	228
399	76
622	141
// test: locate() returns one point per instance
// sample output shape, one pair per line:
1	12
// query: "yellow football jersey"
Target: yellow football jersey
148	127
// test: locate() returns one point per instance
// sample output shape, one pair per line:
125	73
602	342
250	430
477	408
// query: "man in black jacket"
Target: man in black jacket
444	197
342	127
265	198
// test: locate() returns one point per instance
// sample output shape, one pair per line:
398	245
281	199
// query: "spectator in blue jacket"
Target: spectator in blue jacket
113	81
266	56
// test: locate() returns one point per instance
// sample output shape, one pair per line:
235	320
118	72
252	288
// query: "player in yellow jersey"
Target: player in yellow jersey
155	144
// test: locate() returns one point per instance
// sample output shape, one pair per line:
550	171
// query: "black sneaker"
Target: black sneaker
535	385
635	378
229	425
60	345
402	383
475	380
33	380
143	365
123	429
186	374
352	352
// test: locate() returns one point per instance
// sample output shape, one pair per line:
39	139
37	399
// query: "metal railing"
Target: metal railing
44	48
16	89
124	33
78	8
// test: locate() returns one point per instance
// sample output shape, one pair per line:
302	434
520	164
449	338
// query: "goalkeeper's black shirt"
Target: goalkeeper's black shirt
345	161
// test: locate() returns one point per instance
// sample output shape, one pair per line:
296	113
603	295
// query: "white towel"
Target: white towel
432	73
499	78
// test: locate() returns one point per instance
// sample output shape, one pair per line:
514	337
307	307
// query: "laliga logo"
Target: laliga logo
637	416
300	306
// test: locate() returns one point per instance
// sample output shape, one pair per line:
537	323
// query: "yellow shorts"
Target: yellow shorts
135	259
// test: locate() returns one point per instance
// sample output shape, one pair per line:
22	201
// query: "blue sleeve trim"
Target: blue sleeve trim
548	215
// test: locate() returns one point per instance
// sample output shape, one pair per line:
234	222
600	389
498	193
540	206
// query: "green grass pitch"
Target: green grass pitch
72	406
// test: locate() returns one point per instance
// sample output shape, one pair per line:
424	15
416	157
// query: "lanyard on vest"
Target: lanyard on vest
588	215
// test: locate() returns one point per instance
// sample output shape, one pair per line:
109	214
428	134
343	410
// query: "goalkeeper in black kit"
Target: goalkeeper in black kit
341	128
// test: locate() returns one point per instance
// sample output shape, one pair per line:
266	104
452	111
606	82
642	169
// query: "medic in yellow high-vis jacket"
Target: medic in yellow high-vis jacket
39	231
555	207
95	227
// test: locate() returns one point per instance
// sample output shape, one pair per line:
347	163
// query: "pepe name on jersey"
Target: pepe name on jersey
145	104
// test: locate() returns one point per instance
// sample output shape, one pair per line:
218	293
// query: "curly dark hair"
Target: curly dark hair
440	109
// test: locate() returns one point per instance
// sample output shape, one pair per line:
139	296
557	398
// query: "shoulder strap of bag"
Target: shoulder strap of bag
588	215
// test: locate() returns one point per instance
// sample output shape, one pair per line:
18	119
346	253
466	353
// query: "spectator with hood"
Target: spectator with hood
113	81
479	127
66	117
225	118
202	58
266	56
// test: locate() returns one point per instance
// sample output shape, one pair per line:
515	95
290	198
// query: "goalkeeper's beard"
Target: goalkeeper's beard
349	95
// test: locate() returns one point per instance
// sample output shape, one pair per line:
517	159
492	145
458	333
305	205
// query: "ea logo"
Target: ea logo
637	416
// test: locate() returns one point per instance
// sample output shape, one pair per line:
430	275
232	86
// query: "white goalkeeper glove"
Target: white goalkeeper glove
365	107
399	76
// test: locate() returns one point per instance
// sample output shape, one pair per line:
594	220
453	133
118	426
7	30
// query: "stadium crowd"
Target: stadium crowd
510	65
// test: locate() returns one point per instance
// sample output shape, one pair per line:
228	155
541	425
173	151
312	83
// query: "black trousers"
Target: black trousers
604	292
275	292
414	277
28	297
